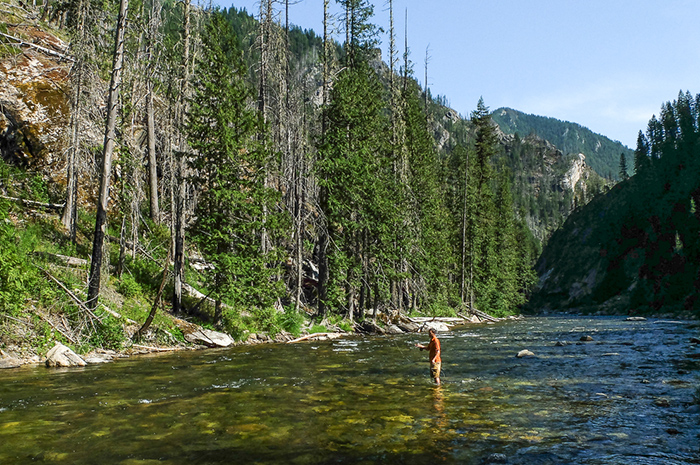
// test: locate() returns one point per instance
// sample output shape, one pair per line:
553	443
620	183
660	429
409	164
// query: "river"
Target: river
625	397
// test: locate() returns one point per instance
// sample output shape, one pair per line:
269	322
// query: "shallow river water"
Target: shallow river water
624	398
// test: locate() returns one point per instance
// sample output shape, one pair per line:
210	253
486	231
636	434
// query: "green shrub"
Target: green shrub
128	286
109	334
291	321
318	329
18	277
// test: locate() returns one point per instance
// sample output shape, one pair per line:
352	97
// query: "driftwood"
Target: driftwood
156	349
482	315
316	336
32	203
45	50
442	319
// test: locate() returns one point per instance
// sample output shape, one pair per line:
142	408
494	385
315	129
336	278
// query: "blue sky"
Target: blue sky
607	65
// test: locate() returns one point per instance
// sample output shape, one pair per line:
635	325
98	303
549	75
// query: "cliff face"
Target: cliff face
34	107
576	173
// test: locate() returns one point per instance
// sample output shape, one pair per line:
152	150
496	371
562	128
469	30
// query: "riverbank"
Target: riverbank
57	352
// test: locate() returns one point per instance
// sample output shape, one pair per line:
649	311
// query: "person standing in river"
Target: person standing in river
433	349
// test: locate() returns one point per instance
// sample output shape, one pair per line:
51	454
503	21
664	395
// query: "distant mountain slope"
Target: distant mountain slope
602	154
636	248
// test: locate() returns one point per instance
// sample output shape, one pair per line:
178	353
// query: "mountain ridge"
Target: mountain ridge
602	153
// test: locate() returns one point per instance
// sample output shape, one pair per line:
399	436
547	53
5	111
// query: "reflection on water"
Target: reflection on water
625	397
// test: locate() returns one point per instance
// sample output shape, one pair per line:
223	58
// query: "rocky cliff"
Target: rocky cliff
34	107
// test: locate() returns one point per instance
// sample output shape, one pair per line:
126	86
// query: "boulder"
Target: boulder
561	344
393	329
438	326
209	338
95	358
62	356
408	326
525	353
694	340
370	327
10	362
586	339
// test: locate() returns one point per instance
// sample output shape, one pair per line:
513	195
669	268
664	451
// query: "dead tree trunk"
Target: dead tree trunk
179	176
109	141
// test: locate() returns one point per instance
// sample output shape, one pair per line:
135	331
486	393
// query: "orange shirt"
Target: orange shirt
434	350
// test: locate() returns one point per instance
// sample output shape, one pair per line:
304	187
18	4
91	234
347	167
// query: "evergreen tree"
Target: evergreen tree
352	170
229	169
481	233
641	155
623	167
428	217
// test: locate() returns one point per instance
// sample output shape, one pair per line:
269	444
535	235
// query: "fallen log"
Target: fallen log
442	319
64	259
316	336
155	349
45	50
32	203
482	315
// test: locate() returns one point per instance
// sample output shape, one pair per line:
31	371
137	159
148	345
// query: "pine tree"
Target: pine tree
353	169
427	215
624	174
641	155
481	233
229	170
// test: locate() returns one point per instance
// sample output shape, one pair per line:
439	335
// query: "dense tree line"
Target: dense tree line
341	204
637	248
663	221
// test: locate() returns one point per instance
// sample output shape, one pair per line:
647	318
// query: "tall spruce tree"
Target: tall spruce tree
427	221
229	170
481	232
352	168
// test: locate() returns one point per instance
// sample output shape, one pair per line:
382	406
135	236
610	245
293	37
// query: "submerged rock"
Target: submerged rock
694	340
561	344
62	356
635	318
497	458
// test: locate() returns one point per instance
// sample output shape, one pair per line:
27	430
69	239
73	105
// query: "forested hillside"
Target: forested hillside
282	175
636	249
602	154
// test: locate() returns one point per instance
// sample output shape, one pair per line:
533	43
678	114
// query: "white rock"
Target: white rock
438	326
62	356
209	338
525	353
